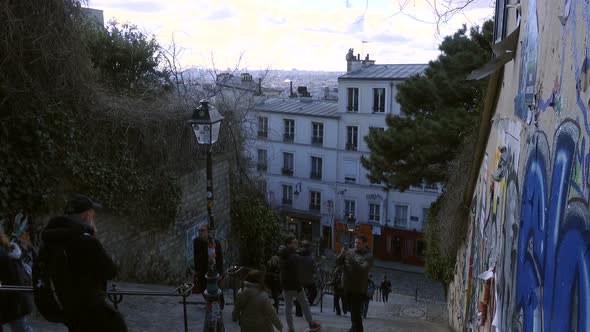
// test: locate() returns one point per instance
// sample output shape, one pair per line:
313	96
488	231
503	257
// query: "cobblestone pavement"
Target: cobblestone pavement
156	314
406	283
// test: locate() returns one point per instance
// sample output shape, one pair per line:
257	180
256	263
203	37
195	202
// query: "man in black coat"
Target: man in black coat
89	268
205	247
290	264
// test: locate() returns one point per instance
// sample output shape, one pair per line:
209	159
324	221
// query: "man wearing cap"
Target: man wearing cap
89	268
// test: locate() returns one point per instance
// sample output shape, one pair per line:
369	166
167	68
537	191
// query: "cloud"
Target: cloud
387	38
220	14
273	20
135	6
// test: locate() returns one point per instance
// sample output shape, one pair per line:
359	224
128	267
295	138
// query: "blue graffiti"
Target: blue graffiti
553	277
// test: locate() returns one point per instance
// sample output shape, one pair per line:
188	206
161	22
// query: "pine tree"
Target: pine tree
439	108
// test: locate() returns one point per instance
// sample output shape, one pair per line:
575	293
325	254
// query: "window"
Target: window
350	171
353	100
317	133
315	200
379	130
262	126
409	247
316	168
262	164
352	139
287	194
425	216
431	187
374	212
379	100
289	130
500	21
261	187
401	215
349	207
287	163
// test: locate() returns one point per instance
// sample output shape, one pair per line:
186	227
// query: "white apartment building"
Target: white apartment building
307	160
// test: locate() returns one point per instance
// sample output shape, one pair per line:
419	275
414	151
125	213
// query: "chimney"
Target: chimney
259	85
353	62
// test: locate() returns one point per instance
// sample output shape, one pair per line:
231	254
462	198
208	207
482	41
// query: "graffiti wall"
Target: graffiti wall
525	265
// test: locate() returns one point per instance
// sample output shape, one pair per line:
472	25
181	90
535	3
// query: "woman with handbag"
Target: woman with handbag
14	307
253	309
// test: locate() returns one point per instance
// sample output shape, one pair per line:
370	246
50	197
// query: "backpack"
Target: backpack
50	279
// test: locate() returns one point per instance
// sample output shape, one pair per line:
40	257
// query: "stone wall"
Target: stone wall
526	263
164	254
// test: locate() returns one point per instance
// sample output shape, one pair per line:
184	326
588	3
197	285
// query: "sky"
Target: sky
292	34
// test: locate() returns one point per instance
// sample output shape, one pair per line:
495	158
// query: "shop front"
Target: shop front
398	245
345	237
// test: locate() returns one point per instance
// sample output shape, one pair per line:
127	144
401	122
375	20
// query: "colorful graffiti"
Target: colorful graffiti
553	279
530	230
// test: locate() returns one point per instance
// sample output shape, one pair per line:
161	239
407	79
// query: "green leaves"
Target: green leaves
439	109
256	228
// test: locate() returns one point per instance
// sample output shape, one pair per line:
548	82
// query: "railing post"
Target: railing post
184	312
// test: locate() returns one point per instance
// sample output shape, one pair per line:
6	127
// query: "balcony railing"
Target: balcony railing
287	201
288	137
263	134
287	171
317	140
261	167
380	109
315	175
351	147
352	109
315	207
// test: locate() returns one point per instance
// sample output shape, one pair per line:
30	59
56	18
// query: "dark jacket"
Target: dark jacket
306	268
273	279
13	305
356	264
255	311
289	262
89	264
201	256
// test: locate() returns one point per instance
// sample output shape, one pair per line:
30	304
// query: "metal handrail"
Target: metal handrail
115	295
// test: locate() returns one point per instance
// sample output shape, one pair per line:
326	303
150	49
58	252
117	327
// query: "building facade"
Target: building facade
307	161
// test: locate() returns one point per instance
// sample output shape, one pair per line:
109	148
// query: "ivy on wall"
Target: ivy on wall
62	130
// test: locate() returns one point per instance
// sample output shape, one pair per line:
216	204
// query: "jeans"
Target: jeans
19	325
301	298
355	302
311	292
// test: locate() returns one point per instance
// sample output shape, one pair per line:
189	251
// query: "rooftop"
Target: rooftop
299	106
386	72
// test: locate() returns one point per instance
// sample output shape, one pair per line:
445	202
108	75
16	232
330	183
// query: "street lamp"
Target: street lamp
351	225
206	123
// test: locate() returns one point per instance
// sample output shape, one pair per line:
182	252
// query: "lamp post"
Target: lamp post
206	123
351	225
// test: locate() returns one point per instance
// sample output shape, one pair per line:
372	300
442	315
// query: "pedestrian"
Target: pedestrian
89	268
370	293
338	289
273	280
291	284
385	288
207	250
356	263
307	276
14	307
253	309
